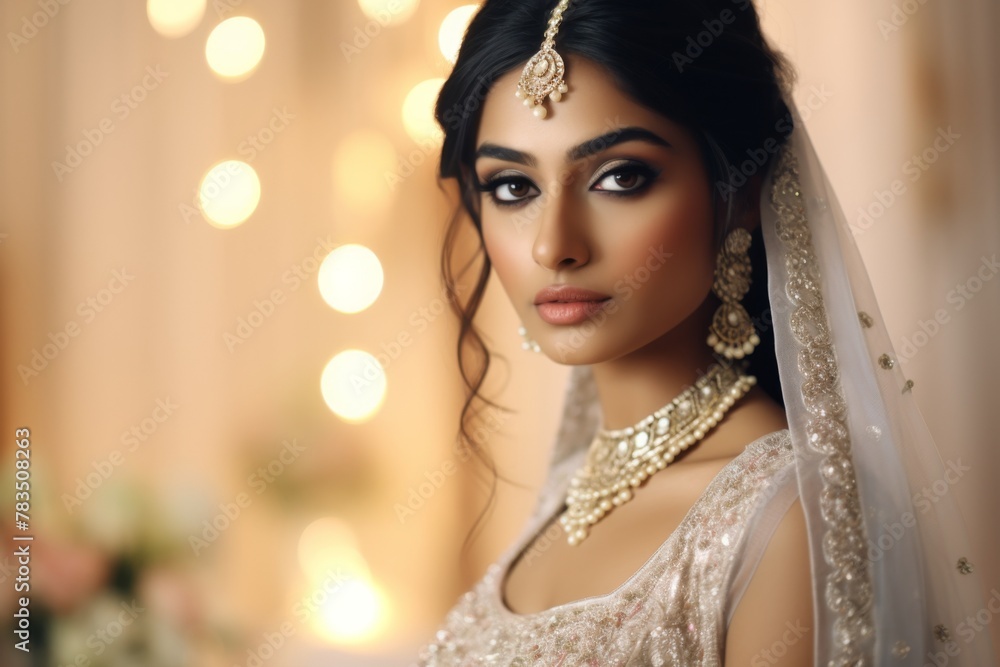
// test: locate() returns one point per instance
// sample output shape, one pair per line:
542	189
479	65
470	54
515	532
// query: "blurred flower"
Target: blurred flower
65	575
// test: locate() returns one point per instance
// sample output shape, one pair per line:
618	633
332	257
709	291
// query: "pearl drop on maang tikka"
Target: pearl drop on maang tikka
543	74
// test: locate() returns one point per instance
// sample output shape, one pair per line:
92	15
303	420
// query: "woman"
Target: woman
738	462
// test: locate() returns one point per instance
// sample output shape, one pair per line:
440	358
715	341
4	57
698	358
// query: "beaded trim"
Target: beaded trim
621	460
848	591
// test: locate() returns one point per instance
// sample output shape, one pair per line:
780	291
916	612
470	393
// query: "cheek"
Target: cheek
498	248
670	247
508	255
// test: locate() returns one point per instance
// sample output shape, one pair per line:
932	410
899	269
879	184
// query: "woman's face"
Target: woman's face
605	197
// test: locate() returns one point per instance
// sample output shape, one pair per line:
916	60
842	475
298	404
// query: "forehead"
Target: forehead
593	106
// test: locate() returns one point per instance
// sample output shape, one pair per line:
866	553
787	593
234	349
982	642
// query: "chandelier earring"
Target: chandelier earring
732	333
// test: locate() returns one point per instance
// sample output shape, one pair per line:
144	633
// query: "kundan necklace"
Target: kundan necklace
621	460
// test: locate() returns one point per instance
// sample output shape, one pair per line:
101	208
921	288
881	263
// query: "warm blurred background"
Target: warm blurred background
214	214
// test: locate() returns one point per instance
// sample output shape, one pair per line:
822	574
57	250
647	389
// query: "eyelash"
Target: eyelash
490	185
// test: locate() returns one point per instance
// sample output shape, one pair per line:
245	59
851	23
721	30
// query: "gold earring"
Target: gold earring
731	333
527	343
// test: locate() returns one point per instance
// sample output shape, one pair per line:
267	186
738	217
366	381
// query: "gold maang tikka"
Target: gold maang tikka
543	75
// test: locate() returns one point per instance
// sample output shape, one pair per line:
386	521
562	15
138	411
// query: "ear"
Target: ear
746	205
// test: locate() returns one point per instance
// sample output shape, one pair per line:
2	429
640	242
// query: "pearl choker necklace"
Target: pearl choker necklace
623	459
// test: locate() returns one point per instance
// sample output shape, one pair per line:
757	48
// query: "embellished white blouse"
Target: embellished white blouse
674	610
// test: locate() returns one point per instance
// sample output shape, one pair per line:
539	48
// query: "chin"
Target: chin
577	349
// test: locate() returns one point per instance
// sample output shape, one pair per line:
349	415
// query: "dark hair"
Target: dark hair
704	64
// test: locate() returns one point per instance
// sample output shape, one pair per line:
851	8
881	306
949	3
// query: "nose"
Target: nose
560	239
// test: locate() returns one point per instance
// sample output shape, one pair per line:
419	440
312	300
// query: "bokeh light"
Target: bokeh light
234	48
329	544
354	614
353	385
452	30
175	18
345	605
350	278
418	111
388	12
229	193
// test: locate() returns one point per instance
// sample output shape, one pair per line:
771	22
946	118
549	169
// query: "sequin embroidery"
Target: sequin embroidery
848	592
670	612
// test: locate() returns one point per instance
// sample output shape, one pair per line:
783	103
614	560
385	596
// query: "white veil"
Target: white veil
894	582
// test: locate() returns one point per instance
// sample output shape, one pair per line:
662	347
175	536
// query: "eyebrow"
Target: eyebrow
578	152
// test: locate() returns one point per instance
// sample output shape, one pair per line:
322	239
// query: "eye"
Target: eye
621	178
508	190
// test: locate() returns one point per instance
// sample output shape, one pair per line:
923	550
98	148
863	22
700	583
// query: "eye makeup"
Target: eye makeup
612	170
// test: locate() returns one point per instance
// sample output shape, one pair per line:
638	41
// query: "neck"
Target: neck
636	384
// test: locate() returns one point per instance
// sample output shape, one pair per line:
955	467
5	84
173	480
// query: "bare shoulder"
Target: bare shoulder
774	618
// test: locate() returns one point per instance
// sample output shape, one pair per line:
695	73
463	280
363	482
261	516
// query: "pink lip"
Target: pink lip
567	294
556	312
565	304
